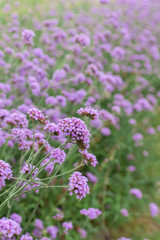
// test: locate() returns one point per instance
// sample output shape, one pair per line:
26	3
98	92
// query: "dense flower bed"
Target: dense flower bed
79	95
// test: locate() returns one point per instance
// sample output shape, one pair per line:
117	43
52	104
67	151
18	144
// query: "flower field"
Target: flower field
79	120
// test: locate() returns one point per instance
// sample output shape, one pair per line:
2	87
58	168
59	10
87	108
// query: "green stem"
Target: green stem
65	172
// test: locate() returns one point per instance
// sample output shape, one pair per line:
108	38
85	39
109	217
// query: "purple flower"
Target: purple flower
131	168
151	130
132	121
52	128
58	216
17	119
82	39
124	212
59	74
92	178
137	137
67	226
36	115
92	70
5	172
27	36
104	1
154	209
82	232
52	230
77	130
9	228
58	155
27	169
78	185
136	192
105	131
16	217
26	236
130	157
118	53
39	224
89	112
123	238
92	213
89	158
145	153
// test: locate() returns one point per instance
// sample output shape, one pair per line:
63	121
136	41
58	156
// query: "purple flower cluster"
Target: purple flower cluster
16	217
82	232
154	209
77	130
136	192
5	172
17	119
89	112
78	185
27	36
28	168
82	39
58	216
9	228
124	212
92	213
26	236
58	155
89	158
52	128
123	238
52	230
68	226
36	115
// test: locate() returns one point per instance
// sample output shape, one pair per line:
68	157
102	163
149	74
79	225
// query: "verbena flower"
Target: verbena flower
27	36
68	226
28	168
58	155
124	212
78	185
52	128
89	158
16	217
52	230
9	228
26	236
82	232
92	213
5	172
36	115
136	192
89	112
77	130
58	216
154	209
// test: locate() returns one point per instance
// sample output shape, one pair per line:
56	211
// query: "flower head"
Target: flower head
5	172
27	36
9	228
92	213
78	185
89	112
77	130
67	226
36	115
136	192
154	209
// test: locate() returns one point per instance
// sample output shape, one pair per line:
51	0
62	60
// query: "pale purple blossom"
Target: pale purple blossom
78	185
136	192
92	213
154	209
